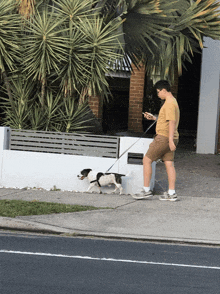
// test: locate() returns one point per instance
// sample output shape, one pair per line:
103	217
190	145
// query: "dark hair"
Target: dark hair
162	84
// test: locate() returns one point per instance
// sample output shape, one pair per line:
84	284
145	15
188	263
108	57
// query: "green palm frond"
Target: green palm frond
18	116
9	31
73	10
102	49
164	33
75	117
72	69
36	117
51	110
45	47
199	20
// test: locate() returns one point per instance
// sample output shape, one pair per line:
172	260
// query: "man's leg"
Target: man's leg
147	171
171	173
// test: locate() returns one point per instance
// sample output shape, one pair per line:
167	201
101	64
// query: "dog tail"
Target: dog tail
129	174
121	175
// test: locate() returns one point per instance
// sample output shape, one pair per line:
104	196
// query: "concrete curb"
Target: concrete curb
34	227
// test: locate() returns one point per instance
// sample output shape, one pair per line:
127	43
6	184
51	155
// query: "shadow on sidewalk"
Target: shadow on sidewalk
197	174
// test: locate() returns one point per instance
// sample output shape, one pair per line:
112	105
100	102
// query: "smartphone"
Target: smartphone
148	113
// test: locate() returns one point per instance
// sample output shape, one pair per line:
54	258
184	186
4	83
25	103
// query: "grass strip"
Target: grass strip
13	208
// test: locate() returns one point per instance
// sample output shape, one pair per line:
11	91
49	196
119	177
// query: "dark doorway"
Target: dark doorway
188	100
115	111
188	95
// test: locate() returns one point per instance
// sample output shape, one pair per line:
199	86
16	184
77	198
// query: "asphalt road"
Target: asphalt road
39	264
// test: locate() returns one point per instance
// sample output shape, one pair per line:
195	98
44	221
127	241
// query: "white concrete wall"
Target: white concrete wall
209	98
141	146
21	169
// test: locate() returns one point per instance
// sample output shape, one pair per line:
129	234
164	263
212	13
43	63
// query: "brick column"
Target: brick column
136	95
96	106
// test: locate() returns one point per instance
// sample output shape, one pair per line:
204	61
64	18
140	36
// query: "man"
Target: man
165	142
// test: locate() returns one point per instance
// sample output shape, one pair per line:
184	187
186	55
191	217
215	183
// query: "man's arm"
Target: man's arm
172	126
149	116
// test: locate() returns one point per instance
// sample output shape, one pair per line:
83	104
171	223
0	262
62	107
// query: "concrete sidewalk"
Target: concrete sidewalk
194	219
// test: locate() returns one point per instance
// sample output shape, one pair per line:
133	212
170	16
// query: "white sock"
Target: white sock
171	192
146	189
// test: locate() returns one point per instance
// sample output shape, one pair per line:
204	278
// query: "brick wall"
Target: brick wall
136	95
96	107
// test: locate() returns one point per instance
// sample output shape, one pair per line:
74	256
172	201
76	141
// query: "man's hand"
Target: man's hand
172	125
172	146
149	116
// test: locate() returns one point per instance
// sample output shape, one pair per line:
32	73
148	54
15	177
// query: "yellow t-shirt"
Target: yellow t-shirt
169	111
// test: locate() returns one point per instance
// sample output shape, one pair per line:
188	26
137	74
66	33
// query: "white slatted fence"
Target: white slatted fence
65	143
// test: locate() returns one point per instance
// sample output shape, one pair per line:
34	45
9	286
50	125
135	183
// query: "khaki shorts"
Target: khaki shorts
159	149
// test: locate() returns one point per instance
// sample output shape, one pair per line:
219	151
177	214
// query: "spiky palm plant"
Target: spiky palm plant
73	13
75	117
92	49
101	50
9	31
75	43
18	116
44	48
163	33
60	113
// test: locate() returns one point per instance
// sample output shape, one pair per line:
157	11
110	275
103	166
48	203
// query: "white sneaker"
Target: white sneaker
142	195
168	197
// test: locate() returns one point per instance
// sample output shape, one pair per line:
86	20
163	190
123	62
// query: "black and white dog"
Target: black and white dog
101	179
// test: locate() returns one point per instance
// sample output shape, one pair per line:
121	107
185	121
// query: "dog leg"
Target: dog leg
93	185
90	187
118	187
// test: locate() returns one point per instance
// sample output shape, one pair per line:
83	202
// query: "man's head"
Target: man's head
162	87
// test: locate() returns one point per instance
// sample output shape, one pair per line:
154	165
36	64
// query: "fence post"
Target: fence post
4	138
4	145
